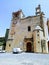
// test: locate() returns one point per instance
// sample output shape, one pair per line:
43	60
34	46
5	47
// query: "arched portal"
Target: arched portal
28	47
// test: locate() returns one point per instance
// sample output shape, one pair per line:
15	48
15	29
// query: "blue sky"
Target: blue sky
27	6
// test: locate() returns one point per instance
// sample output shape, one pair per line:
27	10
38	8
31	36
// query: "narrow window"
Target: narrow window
9	45
29	28
38	41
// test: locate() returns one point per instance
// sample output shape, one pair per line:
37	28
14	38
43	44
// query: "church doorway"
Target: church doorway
28	47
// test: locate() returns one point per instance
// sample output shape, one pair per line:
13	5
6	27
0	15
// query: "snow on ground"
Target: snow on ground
24	59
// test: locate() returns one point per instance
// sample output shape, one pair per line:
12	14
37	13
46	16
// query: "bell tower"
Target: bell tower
41	14
38	10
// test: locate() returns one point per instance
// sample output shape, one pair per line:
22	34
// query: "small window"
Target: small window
37	34
9	45
37	31
29	28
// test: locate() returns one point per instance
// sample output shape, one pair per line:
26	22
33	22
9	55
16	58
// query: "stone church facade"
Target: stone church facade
28	33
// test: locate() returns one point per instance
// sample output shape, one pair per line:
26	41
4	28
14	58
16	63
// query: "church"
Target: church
30	34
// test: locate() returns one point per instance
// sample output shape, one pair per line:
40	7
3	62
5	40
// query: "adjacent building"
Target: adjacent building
3	40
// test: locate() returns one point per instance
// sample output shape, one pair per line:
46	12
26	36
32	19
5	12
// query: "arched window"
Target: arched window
29	28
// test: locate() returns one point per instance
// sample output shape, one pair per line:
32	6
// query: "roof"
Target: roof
38	28
30	17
